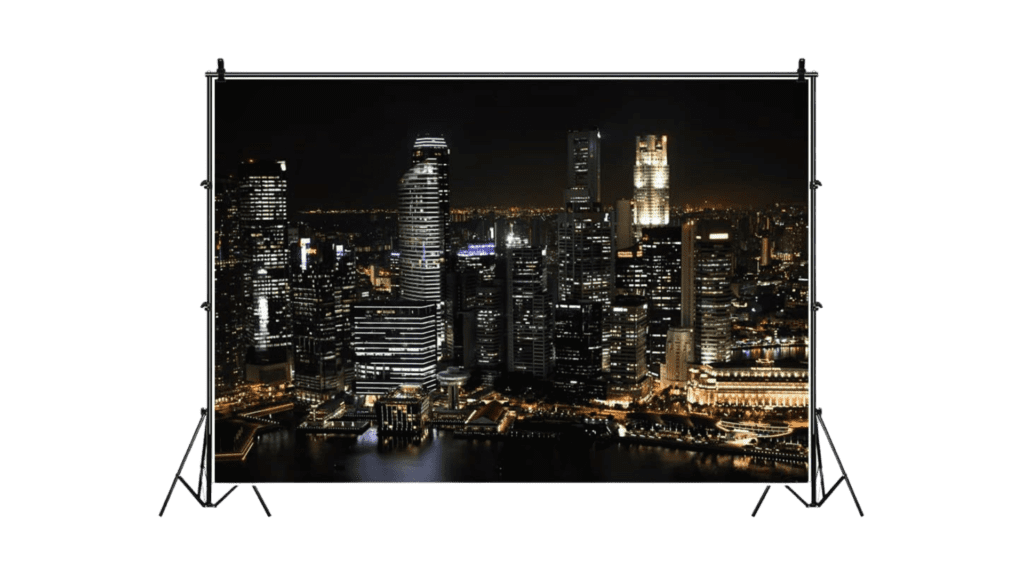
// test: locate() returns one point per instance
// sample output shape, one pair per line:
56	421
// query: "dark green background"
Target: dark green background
104	131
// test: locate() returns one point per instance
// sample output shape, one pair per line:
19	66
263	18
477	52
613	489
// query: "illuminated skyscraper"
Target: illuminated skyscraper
233	297
530	346
264	222
318	372
662	258
491	344
713	268
627	323
650	182
395	344
578	343
420	233
434	150
585	261
424	231
678	356
584	169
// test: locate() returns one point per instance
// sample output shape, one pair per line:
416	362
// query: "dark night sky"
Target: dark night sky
347	142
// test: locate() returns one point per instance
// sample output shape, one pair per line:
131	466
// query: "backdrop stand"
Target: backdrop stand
820	477
203	497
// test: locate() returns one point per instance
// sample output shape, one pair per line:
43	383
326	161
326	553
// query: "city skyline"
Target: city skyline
347	141
689	332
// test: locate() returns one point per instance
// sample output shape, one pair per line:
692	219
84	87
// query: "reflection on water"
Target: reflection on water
775	353
287	456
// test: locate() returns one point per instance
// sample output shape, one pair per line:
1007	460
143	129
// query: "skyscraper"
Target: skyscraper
650	182
491	344
713	269
624	224
584	169
585	255
424	231
530	346
395	344
627	323
264	221
233	297
434	150
318	372
420	233
578	343
662	259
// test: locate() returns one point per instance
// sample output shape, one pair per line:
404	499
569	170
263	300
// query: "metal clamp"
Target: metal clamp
220	69
801	71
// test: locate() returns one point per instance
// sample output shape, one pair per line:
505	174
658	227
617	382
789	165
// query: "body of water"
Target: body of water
285	455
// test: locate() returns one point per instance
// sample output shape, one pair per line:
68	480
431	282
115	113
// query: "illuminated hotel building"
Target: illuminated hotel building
627	322
650	182
264	222
584	169
529	308
395	344
761	386
713	268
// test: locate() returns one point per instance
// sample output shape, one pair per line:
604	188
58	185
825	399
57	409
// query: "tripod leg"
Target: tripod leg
821	468
763	494
202	466
793	492
840	462
183	459
226	494
265	509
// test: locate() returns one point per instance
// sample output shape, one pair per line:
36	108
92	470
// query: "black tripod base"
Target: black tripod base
816	450
207	503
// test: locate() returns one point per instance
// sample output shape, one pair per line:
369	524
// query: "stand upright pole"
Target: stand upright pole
814	443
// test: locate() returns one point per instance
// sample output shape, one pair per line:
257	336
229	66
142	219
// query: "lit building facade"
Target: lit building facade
529	308
264	221
662	260
584	169
713	269
395	344
761	386
318	373
578	343
233	298
627	323
491	343
650	182
679	356
403	411
585	255
420	233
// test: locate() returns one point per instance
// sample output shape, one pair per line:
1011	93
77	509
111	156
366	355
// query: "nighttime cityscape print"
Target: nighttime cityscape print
511	280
